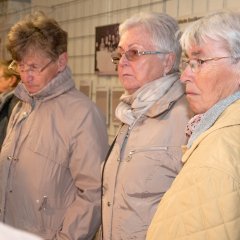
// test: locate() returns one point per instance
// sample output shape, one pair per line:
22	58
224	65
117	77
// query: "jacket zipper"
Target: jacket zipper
154	148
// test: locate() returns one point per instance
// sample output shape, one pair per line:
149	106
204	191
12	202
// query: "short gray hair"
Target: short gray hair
221	26
164	32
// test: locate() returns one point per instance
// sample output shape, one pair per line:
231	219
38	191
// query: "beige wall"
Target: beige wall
80	17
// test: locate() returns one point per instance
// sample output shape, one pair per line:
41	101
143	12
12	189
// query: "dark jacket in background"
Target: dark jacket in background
7	103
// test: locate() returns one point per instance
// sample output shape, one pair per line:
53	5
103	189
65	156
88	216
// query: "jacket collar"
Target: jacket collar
58	85
227	118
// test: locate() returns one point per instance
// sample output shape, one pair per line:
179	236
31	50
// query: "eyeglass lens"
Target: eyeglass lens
193	64
25	68
131	55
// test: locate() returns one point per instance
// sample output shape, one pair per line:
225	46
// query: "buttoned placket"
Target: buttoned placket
12	161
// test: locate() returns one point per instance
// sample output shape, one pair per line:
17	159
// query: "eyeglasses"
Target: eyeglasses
132	55
195	64
21	68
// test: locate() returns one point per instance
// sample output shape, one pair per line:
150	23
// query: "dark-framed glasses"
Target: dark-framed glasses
132	54
195	64
21	67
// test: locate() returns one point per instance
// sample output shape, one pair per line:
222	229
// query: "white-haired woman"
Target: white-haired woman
146	155
203	201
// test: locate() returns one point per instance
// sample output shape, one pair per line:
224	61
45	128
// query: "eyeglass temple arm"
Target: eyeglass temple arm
153	52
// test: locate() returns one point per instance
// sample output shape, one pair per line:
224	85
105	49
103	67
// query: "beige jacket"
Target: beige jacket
141	167
50	174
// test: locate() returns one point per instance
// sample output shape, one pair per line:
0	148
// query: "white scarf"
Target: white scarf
132	107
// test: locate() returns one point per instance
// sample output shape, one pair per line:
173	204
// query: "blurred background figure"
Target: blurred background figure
50	163
204	199
8	81
146	155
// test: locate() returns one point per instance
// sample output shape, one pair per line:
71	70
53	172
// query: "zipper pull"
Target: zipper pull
43	204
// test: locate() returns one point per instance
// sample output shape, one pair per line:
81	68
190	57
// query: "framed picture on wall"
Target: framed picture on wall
116	93
106	42
102	101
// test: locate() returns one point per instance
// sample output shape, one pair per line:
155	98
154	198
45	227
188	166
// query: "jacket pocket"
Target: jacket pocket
51	214
152	169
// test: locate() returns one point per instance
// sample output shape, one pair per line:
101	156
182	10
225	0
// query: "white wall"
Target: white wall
80	17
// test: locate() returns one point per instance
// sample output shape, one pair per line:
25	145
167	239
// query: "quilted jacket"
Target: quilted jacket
203	202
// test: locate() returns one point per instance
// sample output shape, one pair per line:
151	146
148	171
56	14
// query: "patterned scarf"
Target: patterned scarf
132	107
192	124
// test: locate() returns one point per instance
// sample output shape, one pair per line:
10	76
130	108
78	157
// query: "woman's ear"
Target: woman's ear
169	63
62	61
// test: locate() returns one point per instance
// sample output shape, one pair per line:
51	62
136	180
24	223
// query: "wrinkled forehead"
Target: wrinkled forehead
205	46
193	50
33	53
189	41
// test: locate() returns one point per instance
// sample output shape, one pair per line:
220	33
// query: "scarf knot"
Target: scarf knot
132	107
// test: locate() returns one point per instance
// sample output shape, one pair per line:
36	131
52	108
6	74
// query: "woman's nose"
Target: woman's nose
186	74
123	60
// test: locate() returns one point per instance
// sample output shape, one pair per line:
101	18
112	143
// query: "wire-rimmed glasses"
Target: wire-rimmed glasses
21	67
132	54
195	64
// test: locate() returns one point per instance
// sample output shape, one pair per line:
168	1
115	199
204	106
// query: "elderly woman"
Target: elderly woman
146	155
50	163
8	81
203	201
